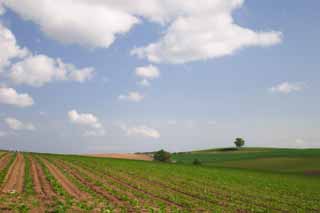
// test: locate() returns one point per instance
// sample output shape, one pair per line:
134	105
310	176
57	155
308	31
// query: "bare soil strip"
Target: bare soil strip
15	177
127	156
4	161
41	185
65	183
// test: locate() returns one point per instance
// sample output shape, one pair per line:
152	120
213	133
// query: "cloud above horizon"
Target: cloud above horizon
142	130
87	120
147	73
132	97
10	96
286	87
193	31
39	70
78	22
9	48
17	125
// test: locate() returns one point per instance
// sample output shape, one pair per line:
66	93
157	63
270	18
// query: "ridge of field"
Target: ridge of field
267	159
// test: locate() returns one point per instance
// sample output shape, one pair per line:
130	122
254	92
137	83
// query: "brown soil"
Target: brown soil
124	156
41	185
64	182
4	161
312	172
15	177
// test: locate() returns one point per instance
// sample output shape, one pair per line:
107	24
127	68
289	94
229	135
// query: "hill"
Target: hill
298	161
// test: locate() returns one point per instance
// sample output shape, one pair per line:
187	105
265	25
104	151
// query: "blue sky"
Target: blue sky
217	70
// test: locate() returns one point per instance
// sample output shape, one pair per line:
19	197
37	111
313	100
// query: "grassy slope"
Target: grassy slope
267	159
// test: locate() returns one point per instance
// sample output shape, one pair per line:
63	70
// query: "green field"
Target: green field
267	159
71	183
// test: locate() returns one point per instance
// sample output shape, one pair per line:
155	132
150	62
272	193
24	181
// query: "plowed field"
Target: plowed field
60	183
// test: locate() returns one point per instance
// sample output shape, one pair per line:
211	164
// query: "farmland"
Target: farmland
69	183
295	161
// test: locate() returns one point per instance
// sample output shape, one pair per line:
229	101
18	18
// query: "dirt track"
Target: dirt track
15	176
41	185
65	183
4	161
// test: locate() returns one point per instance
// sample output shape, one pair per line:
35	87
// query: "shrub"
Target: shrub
196	162
162	156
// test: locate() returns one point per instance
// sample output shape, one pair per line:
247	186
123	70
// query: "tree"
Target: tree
162	156
239	142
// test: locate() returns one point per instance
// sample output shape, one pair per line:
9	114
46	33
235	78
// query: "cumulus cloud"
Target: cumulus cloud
17	125
80	22
141	131
87	120
40	69
286	87
131	96
201	31
148	72
9	48
194	30
35	70
11	97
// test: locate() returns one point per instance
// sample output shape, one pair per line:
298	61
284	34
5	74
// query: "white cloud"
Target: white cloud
11	97
9	47
203	31
19	125
141	131
131	96
81	75
40	69
195	30
81	22
286	87
148	72
87	120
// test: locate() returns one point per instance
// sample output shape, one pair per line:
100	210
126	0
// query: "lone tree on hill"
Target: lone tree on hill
162	156
239	142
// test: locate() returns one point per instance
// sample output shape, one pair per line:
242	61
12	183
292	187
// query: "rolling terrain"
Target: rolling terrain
294	161
32	182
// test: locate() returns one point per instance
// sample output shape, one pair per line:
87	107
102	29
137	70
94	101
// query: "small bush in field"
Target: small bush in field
162	156
196	162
